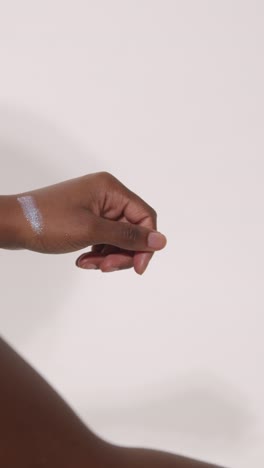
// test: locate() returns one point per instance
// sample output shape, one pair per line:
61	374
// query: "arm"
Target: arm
38	428
10	228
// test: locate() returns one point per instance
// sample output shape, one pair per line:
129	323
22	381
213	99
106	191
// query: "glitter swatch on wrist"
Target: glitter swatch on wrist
31	213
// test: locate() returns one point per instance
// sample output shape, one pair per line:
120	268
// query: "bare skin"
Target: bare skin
93	210
38	429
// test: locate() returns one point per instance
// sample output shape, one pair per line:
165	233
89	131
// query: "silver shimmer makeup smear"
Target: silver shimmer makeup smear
32	213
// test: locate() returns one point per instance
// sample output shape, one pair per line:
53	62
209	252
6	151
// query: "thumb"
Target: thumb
128	236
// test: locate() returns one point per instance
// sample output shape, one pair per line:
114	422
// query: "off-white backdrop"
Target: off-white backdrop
168	96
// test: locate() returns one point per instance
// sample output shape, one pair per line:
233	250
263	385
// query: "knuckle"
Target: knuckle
151	212
154	213
106	175
106	179
130	234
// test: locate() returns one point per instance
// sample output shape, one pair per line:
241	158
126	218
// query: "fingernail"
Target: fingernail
156	241
144	263
144	267
88	266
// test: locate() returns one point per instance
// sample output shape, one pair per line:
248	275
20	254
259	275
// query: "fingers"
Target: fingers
128	236
106	262
136	243
109	258
118	200
141	261
124	222
149	220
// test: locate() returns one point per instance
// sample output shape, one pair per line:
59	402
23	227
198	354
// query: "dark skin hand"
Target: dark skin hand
38	429
94	210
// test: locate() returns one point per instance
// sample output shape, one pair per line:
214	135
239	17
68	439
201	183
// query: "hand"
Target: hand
93	210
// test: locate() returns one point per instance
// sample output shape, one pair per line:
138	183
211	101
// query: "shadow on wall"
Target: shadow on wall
33	153
199	407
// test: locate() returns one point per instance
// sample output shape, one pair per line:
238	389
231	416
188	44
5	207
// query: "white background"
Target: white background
168	96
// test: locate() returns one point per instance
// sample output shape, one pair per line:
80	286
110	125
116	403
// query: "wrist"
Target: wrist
10	223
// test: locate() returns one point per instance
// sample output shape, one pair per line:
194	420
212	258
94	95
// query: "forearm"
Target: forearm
10	223
38	428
